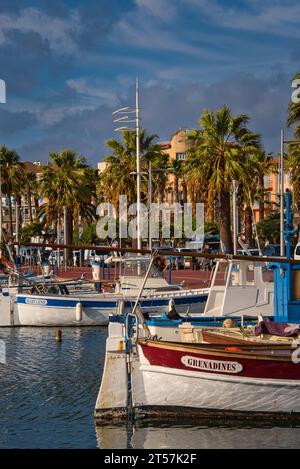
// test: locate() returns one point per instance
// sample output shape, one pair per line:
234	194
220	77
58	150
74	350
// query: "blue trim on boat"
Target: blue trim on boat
68	303
207	321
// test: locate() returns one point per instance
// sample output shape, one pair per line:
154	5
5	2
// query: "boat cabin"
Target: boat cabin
240	288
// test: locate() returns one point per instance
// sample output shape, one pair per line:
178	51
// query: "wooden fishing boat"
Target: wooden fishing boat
144	376
242	337
206	379
198	380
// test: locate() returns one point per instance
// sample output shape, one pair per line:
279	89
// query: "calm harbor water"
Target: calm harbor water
48	392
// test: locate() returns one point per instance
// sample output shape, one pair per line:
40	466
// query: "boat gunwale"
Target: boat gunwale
216	350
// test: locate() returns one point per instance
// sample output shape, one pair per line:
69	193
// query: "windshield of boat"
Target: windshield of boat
242	273
247	273
137	267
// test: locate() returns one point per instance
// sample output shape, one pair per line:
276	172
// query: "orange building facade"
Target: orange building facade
272	190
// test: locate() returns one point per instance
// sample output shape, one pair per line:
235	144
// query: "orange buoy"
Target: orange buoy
233	349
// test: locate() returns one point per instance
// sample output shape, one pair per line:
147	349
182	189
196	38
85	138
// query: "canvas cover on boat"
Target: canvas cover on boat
283	329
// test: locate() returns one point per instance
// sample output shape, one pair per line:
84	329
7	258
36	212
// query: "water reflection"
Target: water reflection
192	436
48	392
48	389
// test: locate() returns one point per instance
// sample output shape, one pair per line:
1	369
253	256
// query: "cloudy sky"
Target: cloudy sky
68	64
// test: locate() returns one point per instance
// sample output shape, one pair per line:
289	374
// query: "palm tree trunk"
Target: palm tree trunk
69	233
209	207
184	188
18	216
29	204
225	222
36	207
76	225
248	226
162	194
261	205
11	229
176	189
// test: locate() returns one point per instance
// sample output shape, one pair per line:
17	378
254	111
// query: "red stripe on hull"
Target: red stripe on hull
227	364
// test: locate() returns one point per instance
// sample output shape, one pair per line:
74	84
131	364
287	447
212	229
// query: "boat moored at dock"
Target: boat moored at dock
213	376
94	307
197	379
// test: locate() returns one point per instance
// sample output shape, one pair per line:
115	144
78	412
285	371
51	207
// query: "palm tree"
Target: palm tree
294	112
12	177
247	189
160	168
68	184
252	187
85	208
220	154
116	179
293	165
194	178
32	188
293	159
265	165
176	167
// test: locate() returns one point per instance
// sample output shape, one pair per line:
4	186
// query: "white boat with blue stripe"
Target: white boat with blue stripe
90	308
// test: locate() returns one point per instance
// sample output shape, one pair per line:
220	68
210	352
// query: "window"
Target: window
267	180
180	156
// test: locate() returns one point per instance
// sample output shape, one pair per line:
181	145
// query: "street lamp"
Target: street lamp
2	100
126	119
235	215
149	174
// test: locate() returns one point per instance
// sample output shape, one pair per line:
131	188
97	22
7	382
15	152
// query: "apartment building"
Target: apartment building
176	147
272	190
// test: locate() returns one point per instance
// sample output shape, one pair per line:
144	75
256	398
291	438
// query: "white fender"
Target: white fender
121	307
96	271
78	312
296	355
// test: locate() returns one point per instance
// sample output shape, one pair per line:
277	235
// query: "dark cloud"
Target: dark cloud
53	7
8	6
85	132
36	70
28	62
263	100
97	19
165	109
13	122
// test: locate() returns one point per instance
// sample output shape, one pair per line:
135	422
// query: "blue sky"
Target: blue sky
69	64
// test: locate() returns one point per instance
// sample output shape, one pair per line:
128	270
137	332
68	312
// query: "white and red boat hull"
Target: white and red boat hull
169	377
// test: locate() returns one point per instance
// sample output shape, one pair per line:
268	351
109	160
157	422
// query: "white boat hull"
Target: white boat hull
37	310
155	388
168	389
179	380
